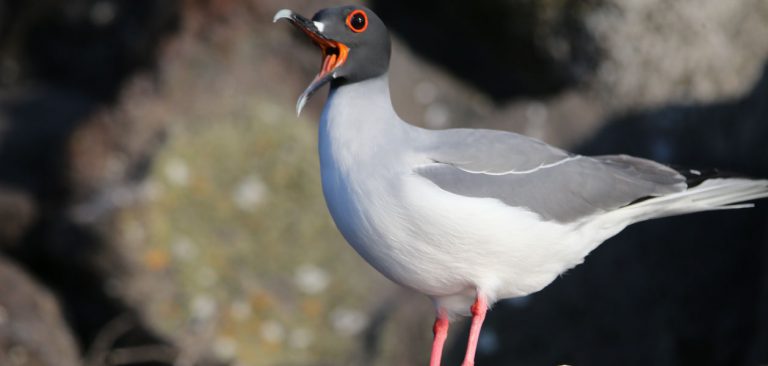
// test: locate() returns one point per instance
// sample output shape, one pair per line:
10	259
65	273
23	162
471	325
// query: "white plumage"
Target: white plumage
467	216
449	246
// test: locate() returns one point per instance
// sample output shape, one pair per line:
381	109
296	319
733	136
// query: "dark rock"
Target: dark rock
86	45
32	329
504	48
17	212
63	66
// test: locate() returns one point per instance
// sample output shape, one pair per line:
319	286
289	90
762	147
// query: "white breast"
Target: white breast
360	177
413	232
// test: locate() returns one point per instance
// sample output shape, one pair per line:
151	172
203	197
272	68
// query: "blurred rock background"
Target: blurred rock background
160	202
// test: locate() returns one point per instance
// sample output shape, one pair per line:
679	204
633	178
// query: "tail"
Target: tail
711	194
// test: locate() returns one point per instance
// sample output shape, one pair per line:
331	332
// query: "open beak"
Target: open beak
334	53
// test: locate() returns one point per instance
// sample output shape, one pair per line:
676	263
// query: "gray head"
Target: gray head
354	42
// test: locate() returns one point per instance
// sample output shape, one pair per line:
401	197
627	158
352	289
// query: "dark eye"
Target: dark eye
357	21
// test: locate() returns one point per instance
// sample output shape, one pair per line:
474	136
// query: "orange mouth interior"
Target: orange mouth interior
334	53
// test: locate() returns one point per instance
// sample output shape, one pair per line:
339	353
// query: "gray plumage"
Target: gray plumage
556	185
444	212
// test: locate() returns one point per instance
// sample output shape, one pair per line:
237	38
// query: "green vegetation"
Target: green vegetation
236	221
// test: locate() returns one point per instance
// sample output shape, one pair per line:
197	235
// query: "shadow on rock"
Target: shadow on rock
506	49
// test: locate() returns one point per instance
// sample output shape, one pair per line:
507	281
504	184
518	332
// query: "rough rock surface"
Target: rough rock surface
32	328
68	160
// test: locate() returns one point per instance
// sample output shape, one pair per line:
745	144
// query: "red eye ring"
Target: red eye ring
357	27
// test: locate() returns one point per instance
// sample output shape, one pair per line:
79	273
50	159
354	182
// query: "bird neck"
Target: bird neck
364	105
359	122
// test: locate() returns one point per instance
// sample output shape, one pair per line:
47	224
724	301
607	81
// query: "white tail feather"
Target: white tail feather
712	194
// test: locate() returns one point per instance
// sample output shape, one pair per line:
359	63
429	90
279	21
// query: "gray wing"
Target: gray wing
523	172
490	151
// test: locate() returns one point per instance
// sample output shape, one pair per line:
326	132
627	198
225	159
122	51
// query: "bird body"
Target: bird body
470	216
450	246
418	235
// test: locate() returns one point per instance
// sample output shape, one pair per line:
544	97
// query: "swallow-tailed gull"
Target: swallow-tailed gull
470	216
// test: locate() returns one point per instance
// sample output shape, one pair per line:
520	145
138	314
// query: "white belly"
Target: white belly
369	214
441	244
445	245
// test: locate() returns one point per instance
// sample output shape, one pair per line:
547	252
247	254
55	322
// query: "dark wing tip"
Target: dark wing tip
694	177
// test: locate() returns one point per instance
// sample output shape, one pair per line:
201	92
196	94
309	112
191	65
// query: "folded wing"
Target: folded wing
527	173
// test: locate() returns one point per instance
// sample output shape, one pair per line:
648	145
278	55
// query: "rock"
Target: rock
32	328
17	211
656	51
507	49
69	161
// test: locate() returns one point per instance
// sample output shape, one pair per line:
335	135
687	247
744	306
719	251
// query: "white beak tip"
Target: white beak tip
282	14
300	105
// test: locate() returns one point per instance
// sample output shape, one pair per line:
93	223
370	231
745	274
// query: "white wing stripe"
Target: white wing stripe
529	171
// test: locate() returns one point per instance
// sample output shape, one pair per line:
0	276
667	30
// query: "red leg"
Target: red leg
441	332
478	315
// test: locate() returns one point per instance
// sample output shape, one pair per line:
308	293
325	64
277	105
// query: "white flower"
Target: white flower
348	322
311	279
272	331
177	172
203	307
250	193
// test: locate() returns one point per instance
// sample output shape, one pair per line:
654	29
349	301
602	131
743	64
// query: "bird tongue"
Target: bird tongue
334	55
328	63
